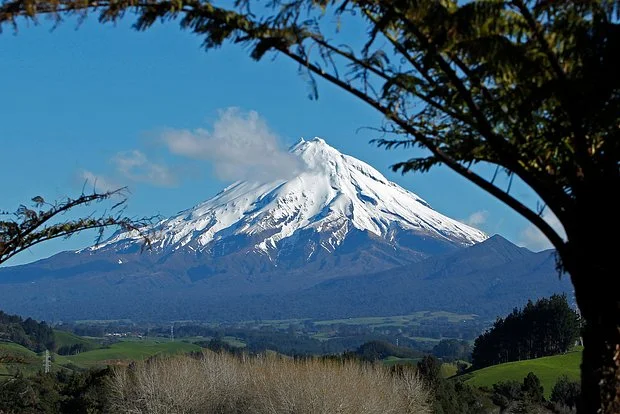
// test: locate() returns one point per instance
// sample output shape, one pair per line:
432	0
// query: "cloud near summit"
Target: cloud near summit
240	146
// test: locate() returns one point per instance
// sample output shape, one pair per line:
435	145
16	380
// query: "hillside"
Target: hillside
487	279
14	357
67	340
547	369
125	351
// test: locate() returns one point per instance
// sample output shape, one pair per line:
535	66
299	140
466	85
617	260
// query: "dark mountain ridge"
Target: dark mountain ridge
488	279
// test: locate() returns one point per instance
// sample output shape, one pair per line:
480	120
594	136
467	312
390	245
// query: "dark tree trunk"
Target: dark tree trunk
592	259
600	369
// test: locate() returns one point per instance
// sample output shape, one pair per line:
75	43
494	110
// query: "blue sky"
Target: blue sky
95	101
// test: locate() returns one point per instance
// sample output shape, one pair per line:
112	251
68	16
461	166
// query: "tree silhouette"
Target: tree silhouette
547	327
28	227
528	86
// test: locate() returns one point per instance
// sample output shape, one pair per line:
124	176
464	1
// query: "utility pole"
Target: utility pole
172	332
47	362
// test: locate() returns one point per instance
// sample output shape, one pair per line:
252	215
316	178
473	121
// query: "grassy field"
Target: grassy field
392	360
68	339
448	370
14	357
374	321
232	341
547	369
125	351
400	320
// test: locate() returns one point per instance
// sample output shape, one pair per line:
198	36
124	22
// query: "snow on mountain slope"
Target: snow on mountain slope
334	195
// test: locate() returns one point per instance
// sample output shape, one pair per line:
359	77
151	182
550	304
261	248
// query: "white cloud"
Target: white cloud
240	146
136	166
97	182
477	218
535	240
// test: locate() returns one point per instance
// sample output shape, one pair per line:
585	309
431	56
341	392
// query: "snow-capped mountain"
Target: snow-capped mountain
336	240
334	198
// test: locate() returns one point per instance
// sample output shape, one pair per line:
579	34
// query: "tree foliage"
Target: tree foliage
36	336
525	397
27	226
377	350
546	327
566	392
60	392
451	396
452	349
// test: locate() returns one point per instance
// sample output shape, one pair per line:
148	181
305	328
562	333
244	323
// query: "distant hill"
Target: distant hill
488	279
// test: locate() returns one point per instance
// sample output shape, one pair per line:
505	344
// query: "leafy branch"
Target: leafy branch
30	226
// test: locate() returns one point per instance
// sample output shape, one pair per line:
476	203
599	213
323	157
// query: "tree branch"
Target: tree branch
503	196
30	228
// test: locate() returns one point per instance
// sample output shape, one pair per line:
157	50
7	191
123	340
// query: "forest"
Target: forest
36	336
547	327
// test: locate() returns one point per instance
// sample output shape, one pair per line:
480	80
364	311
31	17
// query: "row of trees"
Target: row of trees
528	396
452	350
546	327
36	336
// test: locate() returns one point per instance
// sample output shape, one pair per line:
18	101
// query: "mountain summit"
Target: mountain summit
332	199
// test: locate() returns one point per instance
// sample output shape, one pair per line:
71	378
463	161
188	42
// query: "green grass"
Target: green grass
14	358
425	341
392	360
448	370
547	369
236	342
68	339
375	321
399	320
126	351
16	349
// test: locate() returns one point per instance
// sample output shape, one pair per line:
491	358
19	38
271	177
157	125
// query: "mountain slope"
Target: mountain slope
336	216
488	279
481	279
332	197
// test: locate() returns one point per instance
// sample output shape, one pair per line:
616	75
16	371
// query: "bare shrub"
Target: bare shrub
223	384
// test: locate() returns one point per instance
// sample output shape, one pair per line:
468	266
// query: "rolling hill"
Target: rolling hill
547	369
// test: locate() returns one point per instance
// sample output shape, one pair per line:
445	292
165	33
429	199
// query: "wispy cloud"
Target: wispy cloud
477	218
240	146
136	166
535	240
97	182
